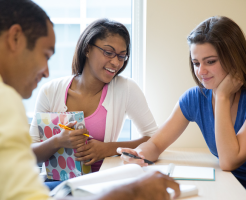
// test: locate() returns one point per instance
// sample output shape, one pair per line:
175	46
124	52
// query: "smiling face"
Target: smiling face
35	62
24	68
101	67
206	65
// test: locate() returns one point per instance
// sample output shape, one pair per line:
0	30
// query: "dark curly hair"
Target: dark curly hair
31	18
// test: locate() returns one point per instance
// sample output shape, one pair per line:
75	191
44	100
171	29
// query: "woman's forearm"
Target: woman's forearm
44	150
147	147
112	146
226	140
149	150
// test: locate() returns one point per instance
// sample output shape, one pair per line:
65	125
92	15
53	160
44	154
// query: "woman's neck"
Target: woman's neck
87	84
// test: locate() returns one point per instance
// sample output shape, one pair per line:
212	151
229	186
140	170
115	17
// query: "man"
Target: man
27	42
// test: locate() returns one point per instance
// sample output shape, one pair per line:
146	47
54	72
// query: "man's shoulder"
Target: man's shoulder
9	95
11	106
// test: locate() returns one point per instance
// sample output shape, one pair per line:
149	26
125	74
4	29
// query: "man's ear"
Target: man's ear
15	38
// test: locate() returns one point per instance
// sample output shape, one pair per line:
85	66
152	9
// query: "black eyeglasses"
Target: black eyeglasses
111	54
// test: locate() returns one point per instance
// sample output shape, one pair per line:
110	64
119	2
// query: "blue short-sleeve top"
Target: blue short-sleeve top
197	107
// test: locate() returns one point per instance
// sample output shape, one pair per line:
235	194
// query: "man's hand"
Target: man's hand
150	186
154	186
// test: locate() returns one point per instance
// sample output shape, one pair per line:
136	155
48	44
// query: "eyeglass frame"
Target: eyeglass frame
115	54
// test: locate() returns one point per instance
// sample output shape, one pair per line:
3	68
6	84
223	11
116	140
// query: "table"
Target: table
225	186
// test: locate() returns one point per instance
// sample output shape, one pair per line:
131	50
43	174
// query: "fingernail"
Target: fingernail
118	150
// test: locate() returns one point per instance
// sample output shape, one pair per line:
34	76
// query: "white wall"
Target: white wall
169	22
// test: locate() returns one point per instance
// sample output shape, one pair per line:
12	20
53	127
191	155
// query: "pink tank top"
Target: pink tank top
96	123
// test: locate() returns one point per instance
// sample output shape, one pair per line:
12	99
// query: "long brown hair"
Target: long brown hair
228	40
99	29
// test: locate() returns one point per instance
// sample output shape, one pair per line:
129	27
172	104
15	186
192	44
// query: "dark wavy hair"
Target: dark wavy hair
229	42
99	29
31	18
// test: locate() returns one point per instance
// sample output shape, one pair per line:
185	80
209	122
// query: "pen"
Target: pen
170	169
67	128
136	157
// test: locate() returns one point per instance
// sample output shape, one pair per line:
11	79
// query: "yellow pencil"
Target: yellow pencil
67	128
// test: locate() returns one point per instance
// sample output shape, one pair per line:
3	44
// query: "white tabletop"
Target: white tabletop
225	186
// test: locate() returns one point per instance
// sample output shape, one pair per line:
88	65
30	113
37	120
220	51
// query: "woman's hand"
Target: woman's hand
72	139
228	86
94	151
128	160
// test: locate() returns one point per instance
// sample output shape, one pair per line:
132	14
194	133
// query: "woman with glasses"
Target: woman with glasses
217	104
97	89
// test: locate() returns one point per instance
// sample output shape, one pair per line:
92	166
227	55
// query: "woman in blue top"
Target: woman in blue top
217	104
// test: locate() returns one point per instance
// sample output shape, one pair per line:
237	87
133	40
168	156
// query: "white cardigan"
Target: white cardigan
124	97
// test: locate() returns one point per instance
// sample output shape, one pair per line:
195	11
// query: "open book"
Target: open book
100	181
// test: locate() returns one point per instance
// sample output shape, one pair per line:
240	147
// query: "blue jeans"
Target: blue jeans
51	184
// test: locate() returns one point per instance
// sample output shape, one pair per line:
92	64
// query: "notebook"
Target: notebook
186	172
62	165
97	182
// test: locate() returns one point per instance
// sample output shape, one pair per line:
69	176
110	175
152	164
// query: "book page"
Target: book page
161	168
116	173
88	190
185	172
186	191
199	173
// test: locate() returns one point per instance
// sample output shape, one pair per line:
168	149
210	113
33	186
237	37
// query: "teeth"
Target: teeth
111	70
